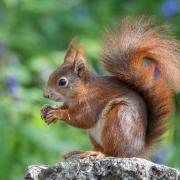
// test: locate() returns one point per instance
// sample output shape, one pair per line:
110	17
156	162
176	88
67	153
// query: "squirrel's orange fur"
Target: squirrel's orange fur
125	114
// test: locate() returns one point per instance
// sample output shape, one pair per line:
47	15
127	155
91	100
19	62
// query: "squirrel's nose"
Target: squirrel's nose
46	94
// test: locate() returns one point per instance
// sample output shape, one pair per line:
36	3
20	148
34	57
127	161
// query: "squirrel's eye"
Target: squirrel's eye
63	82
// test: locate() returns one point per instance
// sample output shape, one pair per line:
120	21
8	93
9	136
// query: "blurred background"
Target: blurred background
34	35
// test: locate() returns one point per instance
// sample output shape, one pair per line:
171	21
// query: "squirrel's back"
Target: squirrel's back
148	60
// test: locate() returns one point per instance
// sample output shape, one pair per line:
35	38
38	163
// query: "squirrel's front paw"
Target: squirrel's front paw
52	116
45	109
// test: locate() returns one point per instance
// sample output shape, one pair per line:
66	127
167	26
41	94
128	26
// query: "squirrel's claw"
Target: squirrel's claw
51	117
68	155
84	154
92	153
45	110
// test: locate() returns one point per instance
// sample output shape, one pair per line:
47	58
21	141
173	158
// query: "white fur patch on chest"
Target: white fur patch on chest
97	131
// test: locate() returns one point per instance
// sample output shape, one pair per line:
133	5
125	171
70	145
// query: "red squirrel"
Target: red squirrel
126	113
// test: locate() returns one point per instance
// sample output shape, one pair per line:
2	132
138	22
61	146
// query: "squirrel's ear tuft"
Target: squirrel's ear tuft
80	63
71	51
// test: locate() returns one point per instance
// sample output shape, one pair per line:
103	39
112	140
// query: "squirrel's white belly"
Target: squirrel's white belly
96	131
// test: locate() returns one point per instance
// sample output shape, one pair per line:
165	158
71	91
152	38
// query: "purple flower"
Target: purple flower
12	85
156	73
148	63
160	156
170	7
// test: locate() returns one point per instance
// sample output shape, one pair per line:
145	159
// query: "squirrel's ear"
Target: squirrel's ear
80	63
71	51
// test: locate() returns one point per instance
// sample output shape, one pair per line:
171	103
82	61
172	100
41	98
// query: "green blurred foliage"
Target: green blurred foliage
33	37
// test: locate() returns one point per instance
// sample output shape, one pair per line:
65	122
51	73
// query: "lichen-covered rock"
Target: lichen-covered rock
108	168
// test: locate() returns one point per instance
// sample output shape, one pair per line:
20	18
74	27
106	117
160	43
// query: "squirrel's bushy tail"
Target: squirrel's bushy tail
149	61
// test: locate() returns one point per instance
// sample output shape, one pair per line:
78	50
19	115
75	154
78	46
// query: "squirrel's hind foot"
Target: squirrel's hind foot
84	154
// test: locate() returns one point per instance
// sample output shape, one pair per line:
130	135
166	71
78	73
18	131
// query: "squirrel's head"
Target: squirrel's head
67	81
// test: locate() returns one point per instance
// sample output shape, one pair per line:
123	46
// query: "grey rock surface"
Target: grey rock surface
109	168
